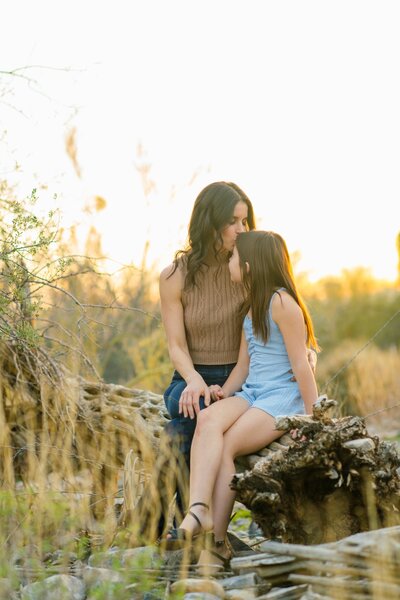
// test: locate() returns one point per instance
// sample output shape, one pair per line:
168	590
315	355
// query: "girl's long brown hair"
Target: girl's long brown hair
212	211
269	269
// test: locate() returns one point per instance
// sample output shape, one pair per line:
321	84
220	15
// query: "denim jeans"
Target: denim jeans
180	429
183	427
172	469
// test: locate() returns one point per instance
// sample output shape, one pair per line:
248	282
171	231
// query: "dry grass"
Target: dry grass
369	384
64	443
374	384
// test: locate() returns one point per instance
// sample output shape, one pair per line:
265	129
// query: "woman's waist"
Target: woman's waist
213	355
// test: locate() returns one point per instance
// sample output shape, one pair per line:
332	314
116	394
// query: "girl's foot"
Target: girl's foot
194	524
197	519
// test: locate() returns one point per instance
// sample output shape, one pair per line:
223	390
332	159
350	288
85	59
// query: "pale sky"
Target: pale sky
298	102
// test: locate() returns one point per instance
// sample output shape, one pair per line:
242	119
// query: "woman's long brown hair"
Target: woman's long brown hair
212	211
270	268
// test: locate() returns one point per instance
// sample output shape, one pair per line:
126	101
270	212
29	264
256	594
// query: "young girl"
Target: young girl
277	330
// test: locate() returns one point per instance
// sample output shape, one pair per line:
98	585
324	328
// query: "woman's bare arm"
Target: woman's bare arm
172	317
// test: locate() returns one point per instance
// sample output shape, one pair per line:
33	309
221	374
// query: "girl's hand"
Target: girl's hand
312	359
189	401
216	392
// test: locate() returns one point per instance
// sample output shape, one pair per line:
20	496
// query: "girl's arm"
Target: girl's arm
237	376
172	317
288	316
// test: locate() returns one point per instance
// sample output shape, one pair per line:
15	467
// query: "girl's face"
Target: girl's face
234	267
237	225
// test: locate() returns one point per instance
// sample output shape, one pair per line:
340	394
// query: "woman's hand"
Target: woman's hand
189	402
216	393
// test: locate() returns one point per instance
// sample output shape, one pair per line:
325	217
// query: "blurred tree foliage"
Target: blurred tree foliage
128	345
106	322
27	266
117	322
347	308
97	321
103	320
354	314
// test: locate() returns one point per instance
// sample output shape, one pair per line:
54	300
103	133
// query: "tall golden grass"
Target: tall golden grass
367	383
65	442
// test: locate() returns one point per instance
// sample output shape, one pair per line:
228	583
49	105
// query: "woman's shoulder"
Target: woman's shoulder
167	272
171	280
177	266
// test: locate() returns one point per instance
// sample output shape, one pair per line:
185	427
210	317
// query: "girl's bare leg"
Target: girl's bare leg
206	454
254	429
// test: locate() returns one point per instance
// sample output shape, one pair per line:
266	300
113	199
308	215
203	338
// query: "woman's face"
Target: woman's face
237	225
234	267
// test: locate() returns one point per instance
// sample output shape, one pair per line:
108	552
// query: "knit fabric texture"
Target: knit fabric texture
211	316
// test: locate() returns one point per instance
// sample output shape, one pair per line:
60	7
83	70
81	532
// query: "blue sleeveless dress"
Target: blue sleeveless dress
268	385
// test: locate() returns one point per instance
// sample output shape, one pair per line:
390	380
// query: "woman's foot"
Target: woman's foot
215	557
196	522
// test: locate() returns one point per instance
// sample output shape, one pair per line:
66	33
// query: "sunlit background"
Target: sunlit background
297	102
119	113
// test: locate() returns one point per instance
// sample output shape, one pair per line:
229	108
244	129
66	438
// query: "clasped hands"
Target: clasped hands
189	402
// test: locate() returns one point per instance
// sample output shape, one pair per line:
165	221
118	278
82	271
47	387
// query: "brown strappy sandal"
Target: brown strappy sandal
178	537
213	547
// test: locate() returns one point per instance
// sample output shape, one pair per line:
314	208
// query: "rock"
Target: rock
248	580
6	589
111	558
110	590
200	596
240	594
154	595
95	575
146	557
288	593
56	587
203	586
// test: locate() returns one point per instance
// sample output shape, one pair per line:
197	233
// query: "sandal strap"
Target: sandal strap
192	514
199	504
225	560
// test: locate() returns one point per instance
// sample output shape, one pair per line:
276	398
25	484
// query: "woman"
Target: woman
276	333
200	307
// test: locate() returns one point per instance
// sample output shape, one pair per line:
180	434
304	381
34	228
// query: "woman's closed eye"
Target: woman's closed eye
244	222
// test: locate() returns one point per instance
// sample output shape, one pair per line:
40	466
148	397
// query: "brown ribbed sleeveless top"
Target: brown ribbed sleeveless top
211	316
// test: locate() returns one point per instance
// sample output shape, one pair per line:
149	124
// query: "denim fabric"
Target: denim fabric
212	374
180	428
179	431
